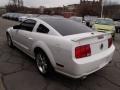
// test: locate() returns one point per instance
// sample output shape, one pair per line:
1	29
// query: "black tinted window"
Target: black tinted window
28	25
67	27
42	29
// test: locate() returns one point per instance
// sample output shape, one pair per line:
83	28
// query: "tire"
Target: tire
117	30
43	63
113	36
9	41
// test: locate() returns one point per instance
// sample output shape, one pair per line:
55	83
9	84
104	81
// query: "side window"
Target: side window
42	29
28	25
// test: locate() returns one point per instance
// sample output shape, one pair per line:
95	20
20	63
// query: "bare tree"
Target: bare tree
16	2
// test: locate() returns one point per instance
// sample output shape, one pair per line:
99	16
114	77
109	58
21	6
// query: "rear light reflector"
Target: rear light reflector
82	51
110	41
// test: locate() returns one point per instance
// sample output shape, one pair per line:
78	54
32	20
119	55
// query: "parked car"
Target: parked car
4	15
26	16
76	18
10	16
117	26
90	20
22	18
7	15
63	45
16	16
104	25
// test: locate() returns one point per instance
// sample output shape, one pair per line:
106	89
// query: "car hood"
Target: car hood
99	27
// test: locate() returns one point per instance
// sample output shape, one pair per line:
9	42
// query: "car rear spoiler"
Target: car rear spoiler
92	36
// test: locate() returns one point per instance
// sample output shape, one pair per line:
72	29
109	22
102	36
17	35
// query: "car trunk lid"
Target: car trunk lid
98	41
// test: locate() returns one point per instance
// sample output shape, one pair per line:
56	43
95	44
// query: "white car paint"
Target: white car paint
61	49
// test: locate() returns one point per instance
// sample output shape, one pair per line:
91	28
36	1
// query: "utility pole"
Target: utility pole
102	8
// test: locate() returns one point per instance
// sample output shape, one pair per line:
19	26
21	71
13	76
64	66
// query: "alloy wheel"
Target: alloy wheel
41	63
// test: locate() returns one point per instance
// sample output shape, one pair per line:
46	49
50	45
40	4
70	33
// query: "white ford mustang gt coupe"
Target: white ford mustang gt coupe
63	45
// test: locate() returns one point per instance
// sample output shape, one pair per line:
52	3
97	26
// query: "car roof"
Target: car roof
62	26
51	18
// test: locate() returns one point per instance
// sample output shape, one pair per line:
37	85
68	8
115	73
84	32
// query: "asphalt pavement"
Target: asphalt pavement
19	72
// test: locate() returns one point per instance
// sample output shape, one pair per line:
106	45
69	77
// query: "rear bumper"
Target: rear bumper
86	66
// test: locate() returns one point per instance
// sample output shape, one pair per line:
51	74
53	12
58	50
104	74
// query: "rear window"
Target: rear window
67	27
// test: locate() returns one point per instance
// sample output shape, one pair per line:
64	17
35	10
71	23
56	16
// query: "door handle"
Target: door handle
29	38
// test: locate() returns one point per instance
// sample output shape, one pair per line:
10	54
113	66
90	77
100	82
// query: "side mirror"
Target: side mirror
16	27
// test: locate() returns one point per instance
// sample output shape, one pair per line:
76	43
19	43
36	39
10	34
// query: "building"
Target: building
72	7
41	9
54	11
92	8
71	10
2	10
112	11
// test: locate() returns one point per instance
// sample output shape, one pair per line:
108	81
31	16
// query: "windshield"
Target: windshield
104	21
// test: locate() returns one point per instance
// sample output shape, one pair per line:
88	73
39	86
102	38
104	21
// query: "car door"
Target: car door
22	36
42	30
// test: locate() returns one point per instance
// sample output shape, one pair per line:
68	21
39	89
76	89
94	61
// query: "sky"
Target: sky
47	3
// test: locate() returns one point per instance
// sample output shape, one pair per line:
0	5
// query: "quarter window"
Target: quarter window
42	29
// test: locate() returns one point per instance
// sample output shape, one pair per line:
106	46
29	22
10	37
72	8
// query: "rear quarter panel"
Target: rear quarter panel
58	49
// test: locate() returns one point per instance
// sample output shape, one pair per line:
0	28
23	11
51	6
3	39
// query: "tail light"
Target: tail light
82	51
110	42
